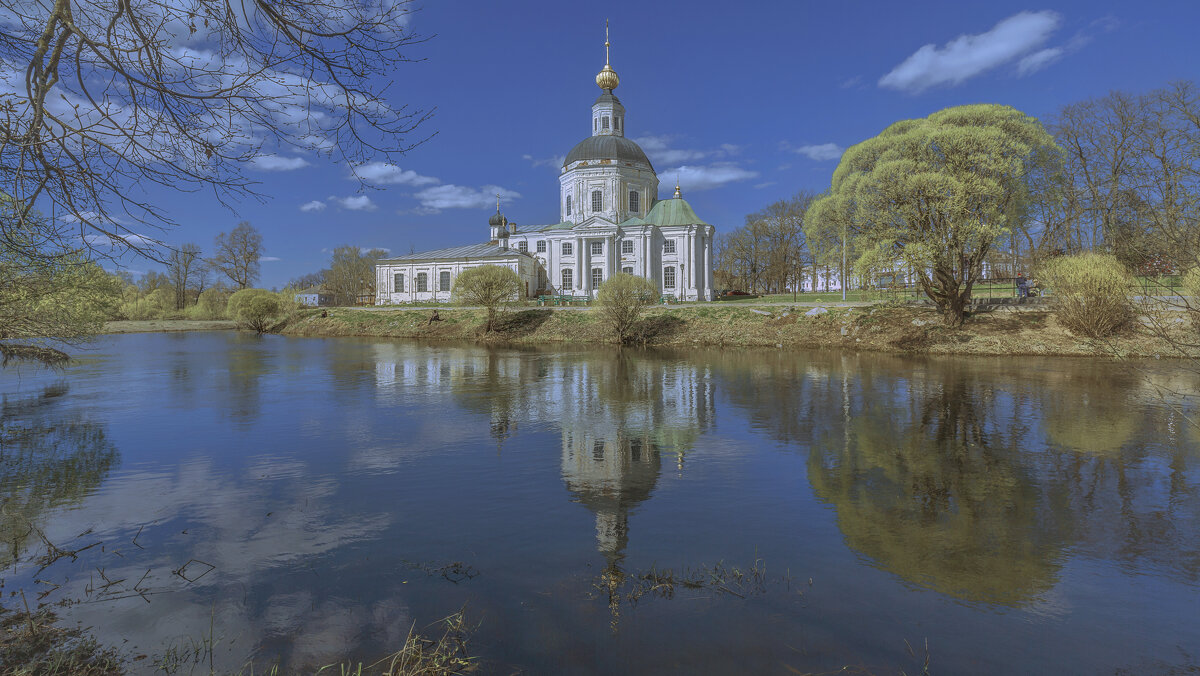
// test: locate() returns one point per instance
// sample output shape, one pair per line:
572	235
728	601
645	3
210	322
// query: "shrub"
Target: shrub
211	304
155	305
621	300
1091	293
491	286
257	309
1191	289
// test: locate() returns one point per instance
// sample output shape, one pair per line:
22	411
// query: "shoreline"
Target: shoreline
166	325
878	328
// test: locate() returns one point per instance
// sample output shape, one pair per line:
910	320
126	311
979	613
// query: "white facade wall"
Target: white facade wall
385	278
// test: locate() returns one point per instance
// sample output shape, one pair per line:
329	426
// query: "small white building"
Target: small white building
611	221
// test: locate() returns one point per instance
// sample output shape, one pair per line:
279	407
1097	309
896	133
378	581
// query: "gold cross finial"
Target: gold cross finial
497	202
606	42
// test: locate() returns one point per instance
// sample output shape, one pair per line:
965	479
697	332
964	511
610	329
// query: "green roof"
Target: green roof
675	211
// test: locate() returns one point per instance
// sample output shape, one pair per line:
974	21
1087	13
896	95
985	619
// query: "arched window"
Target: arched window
597	200
422	282
604	122
634	204
567	281
617	123
568	205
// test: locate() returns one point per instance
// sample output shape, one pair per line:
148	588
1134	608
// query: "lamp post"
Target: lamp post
843	262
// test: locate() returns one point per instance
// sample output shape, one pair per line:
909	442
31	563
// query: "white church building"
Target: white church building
611	221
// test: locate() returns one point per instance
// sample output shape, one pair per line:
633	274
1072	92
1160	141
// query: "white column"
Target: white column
708	264
580	282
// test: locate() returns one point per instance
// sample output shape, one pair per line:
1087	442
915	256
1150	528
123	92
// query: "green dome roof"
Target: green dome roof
675	211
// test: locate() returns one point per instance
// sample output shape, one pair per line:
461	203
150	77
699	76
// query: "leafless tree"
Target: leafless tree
237	254
182	264
100	98
351	273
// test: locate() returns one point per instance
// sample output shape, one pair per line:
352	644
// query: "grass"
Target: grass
34	644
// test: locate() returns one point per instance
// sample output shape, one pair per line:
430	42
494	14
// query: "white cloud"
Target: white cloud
553	162
364	250
452	196
278	163
822	152
1039	60
969	55
356	203
315	205
270	259
852	82
121	240
383	173
659	150
706	177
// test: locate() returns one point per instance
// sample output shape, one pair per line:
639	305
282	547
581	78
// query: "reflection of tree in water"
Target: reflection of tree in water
48	458
248	360
931	488
1091	411
1132	472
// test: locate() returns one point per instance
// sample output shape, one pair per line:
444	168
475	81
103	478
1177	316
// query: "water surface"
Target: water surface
302	501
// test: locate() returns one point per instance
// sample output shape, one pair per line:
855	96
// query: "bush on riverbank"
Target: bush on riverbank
259	309
1091	293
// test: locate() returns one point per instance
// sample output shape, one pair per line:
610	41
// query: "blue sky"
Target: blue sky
746	105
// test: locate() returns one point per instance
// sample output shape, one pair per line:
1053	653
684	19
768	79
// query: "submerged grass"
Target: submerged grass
35	644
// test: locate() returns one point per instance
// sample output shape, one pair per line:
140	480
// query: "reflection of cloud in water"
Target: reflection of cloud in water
247	529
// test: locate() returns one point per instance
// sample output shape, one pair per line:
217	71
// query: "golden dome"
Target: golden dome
607	79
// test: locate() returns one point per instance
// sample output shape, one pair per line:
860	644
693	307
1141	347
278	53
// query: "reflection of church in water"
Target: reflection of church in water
621	418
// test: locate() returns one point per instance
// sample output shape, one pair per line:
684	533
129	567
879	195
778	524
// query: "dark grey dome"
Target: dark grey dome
607	148
496	219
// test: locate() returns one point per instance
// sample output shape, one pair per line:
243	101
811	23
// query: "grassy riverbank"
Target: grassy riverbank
168	325
884	328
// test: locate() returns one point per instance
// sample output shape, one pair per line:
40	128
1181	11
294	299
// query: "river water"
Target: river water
298	501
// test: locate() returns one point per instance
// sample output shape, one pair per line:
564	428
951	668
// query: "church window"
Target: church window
398	282
597	248
669	278
541	246
422	282
567	279
444	281
597	277
598	450
597	200
633	201
617	123
523	247
669	246
567	249
568	205
627	270
627	247
594	123
604	122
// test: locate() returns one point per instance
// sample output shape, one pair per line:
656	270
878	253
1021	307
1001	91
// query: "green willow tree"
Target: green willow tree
939	192
491	286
